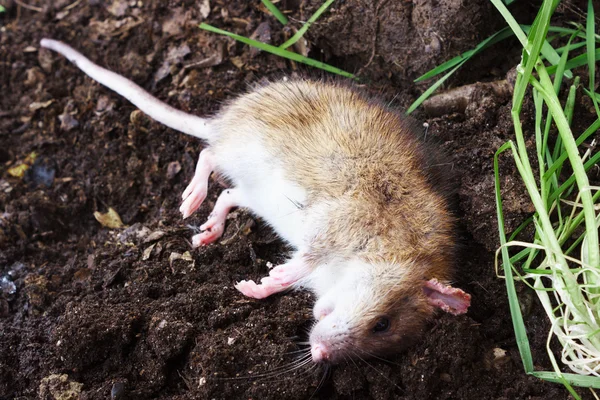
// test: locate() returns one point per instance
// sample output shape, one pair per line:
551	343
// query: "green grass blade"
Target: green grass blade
570	104
548	52
531	49
573	46
570	31
590	29
539	140
562	64
521	255
513	300
525	253
596	95
539	29
432	89
576	62
534	271
520	228
275	11
307	25
558	78
493	39
279	52
574	224
586	134
512	23
573	379
569	109
571	180
553	58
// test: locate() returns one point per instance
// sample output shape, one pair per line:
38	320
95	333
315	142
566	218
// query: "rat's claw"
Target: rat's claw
189	189
193	199
265	289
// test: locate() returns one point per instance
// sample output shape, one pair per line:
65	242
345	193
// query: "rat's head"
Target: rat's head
373	312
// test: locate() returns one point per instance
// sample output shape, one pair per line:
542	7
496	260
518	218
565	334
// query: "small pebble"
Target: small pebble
7	288
118	391
173	169
67	122
42	172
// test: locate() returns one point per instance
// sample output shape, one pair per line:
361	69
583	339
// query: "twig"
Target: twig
71	6
29	7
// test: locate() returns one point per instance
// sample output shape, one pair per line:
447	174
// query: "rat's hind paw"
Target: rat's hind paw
195	193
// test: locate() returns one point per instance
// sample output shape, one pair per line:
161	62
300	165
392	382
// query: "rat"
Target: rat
346	182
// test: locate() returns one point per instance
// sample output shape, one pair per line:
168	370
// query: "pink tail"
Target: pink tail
156	109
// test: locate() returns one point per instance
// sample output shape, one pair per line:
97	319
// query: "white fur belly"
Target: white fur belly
265	190
279	203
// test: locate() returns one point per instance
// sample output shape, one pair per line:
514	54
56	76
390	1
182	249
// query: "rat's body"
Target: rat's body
345	182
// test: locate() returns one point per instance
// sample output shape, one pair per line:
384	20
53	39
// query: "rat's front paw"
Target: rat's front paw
214	227
212	230
286	274
205	238
280	278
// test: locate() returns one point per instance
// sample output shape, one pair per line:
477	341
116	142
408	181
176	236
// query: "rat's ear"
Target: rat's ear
449	299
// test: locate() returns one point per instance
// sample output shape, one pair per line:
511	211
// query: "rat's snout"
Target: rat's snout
319	352
328	340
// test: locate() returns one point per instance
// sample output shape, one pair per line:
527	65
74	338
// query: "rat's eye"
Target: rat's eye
382	325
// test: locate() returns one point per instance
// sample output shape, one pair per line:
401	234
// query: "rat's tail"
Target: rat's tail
162	112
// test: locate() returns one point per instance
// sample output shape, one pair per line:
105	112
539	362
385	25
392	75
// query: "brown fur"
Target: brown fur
365	161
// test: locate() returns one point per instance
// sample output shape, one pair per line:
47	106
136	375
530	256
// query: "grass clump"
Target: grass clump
562	263
567	284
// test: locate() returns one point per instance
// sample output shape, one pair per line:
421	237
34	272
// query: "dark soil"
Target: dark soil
136	312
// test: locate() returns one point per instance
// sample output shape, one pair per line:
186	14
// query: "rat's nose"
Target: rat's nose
319	352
